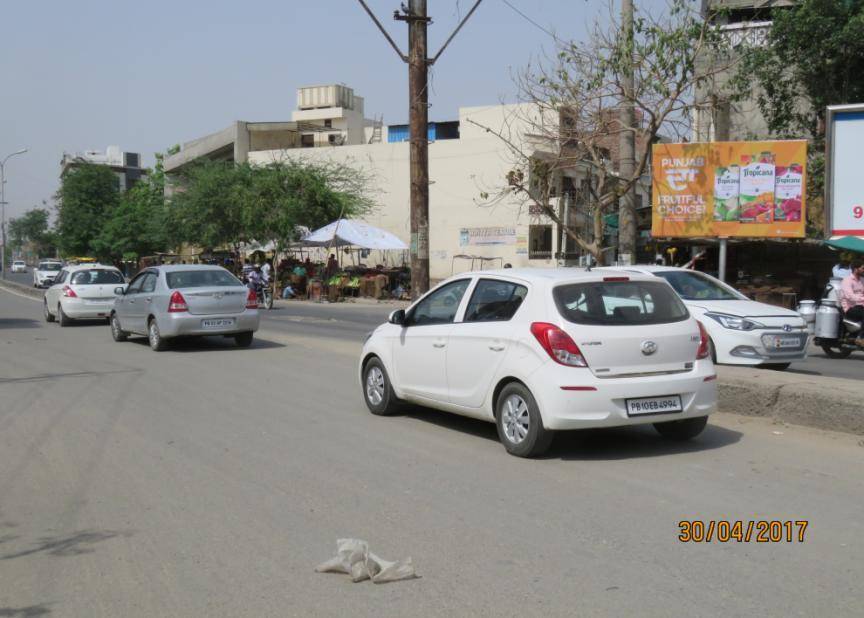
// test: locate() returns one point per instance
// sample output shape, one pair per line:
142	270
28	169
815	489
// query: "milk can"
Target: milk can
807	310
827	320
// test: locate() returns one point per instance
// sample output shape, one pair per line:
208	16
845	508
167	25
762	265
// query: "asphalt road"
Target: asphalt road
210	481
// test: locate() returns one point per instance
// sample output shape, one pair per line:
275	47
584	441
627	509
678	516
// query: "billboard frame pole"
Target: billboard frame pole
721	259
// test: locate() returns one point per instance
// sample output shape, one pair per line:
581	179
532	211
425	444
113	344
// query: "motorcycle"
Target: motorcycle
263	291
834	333
265	294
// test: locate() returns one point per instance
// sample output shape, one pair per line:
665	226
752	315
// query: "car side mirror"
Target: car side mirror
397	317
119	290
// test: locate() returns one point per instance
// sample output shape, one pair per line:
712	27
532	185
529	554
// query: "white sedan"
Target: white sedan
742	331
539	350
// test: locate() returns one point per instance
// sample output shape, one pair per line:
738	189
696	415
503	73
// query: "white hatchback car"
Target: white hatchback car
742	331
19	266
45	272
84	291
539	350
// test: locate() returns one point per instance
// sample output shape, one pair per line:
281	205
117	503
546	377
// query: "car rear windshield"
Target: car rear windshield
49	266
96	276
201	279
696	286
619	303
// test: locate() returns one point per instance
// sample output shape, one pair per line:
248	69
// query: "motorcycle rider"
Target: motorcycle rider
852	296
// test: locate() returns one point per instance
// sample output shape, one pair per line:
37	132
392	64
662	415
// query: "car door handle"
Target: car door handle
131	301
496	348
439	344
149	298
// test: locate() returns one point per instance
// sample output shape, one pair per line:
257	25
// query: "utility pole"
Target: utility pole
627	145
3	206
418	108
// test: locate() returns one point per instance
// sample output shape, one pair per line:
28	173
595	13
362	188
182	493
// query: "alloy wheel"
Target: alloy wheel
375	386
516	419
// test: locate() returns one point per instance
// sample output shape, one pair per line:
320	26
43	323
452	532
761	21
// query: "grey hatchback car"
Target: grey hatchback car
184	300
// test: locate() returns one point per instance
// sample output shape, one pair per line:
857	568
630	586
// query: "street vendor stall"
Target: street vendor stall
358	279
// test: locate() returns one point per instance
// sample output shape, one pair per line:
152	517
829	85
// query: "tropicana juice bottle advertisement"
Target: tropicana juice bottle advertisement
757	188
727	181
729	189
788	191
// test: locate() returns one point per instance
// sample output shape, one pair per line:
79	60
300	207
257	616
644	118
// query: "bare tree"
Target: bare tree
568	125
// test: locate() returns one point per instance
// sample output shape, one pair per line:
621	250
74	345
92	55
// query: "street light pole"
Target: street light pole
3	206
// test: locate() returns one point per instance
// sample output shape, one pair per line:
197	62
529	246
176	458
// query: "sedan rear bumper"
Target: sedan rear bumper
80	309
188	325
602	402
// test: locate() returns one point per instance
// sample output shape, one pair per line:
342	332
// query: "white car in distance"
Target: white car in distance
19	266
84	291
742	331
45	271
542	350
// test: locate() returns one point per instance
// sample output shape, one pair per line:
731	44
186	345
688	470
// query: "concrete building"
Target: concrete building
474	220
472	216
715	116
326	116
126	165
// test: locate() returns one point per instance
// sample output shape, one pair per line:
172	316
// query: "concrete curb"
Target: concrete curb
835	404
21	289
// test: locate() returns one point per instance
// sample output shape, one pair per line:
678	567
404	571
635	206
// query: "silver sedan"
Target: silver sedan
183	300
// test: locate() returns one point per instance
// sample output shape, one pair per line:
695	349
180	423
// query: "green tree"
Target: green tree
32	227
206	208
282	196
138	226
86	200
813	57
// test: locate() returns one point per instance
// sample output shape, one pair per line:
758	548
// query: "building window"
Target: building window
328	124
307	140
132	159
539	242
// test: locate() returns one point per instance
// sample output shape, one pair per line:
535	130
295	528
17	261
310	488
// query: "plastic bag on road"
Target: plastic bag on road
354	558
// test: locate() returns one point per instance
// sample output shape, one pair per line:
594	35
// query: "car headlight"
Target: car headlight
734	322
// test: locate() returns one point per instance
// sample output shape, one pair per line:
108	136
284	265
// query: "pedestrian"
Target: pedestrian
266	269
332	266
841	270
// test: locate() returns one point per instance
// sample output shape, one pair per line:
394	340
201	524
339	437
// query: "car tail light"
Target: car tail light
177	303
558	344
704	349
252	299
69	292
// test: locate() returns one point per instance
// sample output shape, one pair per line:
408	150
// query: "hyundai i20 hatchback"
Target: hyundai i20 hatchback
538	351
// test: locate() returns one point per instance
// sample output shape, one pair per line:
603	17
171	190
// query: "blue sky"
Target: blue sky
83	74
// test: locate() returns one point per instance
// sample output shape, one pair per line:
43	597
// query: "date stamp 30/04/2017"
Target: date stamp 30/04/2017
741	531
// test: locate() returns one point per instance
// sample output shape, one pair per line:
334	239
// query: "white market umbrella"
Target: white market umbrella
351	232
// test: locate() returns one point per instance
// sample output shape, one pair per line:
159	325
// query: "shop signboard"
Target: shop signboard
487	236
844	186
729	189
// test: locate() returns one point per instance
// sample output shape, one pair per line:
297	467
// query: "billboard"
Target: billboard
729	189
844	189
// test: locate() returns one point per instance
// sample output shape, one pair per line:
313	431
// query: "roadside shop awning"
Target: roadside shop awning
847	243
354	233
